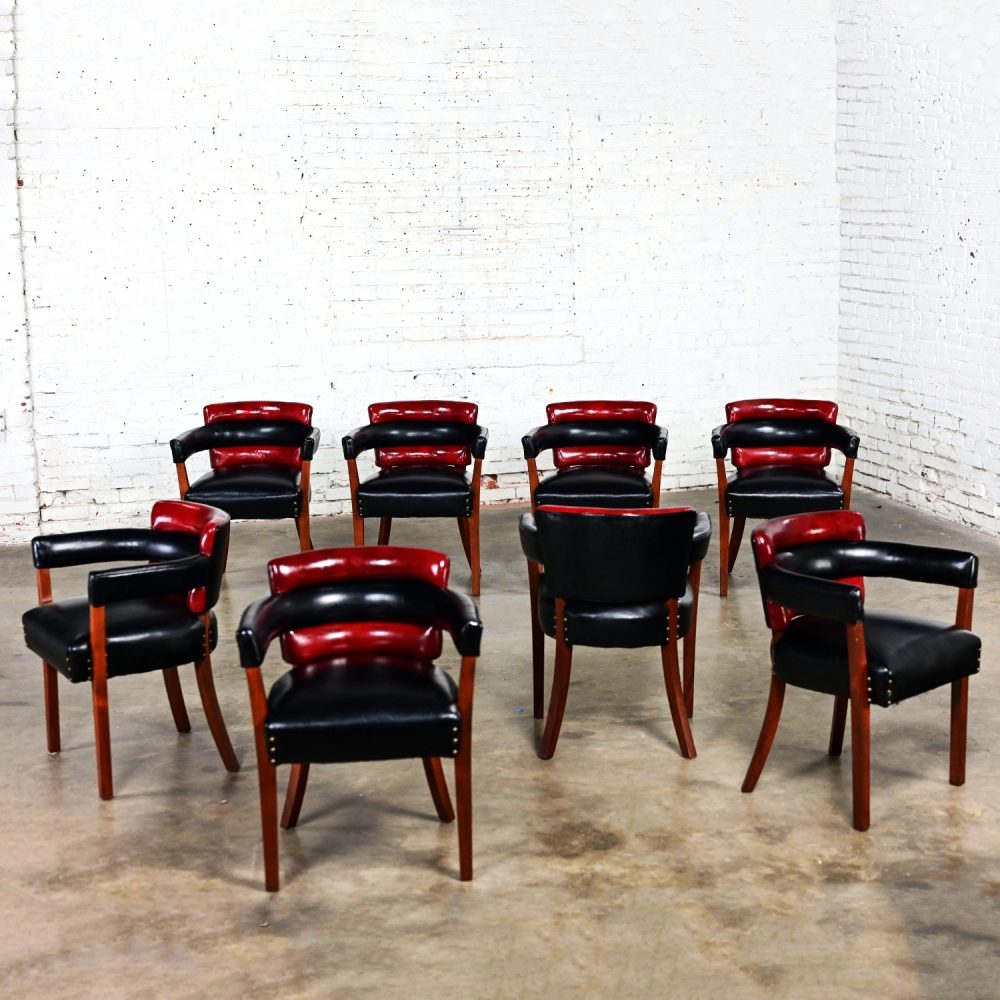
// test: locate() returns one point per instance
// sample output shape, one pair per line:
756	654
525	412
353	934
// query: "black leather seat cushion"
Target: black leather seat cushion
265	491
377	709
416	491
906	656
146	634
777	490
595	487
614	626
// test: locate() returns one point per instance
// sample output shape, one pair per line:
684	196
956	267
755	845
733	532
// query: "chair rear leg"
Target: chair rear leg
213	714
176	698
772	714
439	788
739	523
837	727
959	728
102	739
302	528
463	530
861	761
675	698
557	700
294	795
384	530
537	642
50	681
359	530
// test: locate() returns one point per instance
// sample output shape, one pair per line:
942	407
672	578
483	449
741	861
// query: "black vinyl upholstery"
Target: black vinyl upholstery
252	491
777	490
595	487
416	491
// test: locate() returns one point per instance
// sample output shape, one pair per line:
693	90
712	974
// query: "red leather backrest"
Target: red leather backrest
437	411
265	454
205	522
361	639
583	410
803	529
369	562
782	409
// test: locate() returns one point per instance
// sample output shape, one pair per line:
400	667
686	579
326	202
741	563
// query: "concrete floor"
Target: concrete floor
615	869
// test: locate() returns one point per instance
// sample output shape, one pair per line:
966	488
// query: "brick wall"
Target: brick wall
347	202
918	152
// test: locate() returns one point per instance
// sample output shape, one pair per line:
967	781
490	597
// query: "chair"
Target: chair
134	619
811	569
614	579
422	449
780	449
601	450
361	628
260	454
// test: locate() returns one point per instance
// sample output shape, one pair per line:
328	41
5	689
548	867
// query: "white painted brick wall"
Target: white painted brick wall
918	153
511	203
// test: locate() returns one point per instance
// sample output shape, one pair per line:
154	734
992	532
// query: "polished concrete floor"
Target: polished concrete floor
615	869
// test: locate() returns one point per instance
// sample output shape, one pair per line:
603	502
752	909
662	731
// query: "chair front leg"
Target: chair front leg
475	563
739	523
694	580
182	479
267	778
434	774
959	729
176	698
860	726
358	520
50	682
560	685
99	697
838	725
768	728
213	713
294	795
463	768
723	529
537	642
672	681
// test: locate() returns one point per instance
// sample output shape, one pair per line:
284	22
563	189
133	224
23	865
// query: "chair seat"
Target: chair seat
353	709
265	491
614	626
595	487
777	490
906	656
416	491
143	635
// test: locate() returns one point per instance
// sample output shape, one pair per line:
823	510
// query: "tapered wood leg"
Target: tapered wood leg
302	527
739	523
213	714
50	681
537	642
723	549
176	698
267	779
837	726
463	530
439	788
102	738
861	761
463	799
294	795
359	530
557	700
772	714
959	728
675	698
474	561
694	579
384	530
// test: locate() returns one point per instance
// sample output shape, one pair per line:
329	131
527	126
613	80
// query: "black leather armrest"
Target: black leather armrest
766	433
110	545
377	600
528	531
850	441
660	444
917	563
409	433
702	536
309	444
156	580
532	442
720	442
587	433
479	445
841	602
185	445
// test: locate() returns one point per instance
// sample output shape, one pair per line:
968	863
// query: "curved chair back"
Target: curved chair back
430	412
616	556
615	413
211	527
771	422
257	433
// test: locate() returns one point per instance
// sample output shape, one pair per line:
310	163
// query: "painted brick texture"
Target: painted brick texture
511	203
918	153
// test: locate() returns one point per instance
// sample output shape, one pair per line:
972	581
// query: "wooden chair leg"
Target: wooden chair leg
723	548
384	530
50	681
675	698
439	788
213	714
268	778
102	738
772	714
840	704
557	700
463	530
463	799
861	761
359	530
739	523
302	527
475	563
294	795
537	642
694	577
176	698
959	728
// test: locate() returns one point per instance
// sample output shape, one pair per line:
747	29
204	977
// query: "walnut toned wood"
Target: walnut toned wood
463	530
857	660
475	563
537	642
99	696
302	521
358	520
739	523
384	530
960	698
294	796
182	479
694	582
672	681
213	714
657	477
176	698
768	728
838	725
50	676
267	780
438	788
532	480
560	685
720	468
846	481
463	768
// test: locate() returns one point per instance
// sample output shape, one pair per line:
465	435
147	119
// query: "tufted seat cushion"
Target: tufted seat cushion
777	490
906	656
614	626
416	491
146	634
250	491
372	708
595	487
